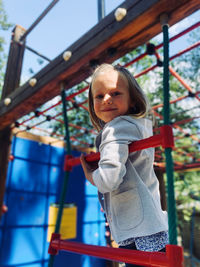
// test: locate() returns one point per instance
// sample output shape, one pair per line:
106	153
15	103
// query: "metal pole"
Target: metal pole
67	173
168	155
39	19
37	53
101	9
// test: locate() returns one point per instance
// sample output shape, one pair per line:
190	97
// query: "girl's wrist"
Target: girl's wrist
90	179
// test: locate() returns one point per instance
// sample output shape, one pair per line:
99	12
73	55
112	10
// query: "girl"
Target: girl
127	185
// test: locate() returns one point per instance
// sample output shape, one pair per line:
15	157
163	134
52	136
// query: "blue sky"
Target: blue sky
65	24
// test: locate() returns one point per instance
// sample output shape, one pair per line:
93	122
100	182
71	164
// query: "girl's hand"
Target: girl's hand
88	170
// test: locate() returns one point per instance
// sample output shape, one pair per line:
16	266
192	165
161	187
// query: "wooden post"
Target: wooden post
11	82
14	64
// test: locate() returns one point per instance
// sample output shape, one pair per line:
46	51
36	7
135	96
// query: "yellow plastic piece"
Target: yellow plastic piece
68	221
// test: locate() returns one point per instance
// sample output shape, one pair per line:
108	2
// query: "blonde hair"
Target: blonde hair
138	99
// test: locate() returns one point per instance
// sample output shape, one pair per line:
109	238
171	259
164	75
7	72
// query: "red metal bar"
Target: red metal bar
171	102
189	155
160	45
180	34
165	139
178	54
135	60
145	71
187	166
178	77
177	127
185	50
53	117
71	161
173	256
186	120
56	104
185	133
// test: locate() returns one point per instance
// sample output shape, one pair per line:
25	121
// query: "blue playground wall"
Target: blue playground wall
34	181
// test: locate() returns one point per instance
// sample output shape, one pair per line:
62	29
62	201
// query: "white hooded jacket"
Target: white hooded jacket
128	186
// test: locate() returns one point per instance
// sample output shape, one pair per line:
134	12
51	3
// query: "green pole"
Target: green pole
172	221
66	178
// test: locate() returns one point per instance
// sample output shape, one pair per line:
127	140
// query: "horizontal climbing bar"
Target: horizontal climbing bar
164	139
173	256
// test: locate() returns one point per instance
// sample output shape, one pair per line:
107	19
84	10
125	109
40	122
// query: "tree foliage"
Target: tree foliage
187	184
4	26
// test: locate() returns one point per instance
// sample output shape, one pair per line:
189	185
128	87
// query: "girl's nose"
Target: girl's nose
107	99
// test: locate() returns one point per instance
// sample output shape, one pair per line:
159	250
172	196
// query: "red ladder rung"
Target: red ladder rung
164	139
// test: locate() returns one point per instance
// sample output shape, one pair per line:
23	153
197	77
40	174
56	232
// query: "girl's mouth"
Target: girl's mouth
108	109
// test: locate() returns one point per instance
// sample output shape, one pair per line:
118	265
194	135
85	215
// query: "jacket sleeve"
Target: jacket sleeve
116	137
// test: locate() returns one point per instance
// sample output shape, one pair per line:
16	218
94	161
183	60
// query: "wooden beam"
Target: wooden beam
12	78
139	26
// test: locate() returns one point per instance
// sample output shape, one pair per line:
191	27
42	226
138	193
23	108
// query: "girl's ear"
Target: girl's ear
133	109
132	104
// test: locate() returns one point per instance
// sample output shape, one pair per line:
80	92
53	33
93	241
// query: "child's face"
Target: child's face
110	95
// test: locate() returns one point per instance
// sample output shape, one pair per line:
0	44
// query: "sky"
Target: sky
65	24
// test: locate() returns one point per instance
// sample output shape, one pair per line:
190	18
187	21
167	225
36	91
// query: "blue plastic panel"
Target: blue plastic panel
23	245
94	233
29	176
31	150
26	209
90	190
32	264
35	179
57	155
92	212
55	178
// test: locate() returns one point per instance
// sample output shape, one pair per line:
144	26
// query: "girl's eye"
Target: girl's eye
99	96
116	93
